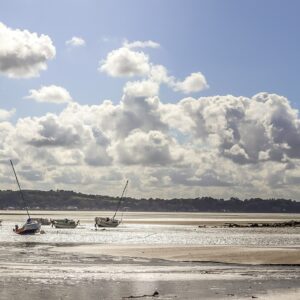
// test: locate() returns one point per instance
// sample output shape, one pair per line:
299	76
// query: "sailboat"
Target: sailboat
64	223
111	222
31	226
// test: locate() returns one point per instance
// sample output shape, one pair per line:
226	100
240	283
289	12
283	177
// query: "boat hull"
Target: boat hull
106	222
61	226
31	227
64	223
26	232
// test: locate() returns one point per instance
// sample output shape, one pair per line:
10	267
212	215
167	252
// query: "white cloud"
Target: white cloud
141	44
24	54
7	131
6	114
237	153
76	41
195	82
152	148
50	94
159	73
243	127
145	88
124	62
222	145
49	132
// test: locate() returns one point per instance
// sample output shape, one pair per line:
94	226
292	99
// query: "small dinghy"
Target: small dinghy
64	223
30	227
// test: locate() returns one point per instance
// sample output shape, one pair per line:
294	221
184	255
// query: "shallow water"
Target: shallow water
158	233
88	216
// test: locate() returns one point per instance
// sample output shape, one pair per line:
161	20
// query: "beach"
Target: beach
147	254
220	254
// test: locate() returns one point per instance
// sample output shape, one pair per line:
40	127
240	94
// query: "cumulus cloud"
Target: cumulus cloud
76	41
145	88
49	132
6	114
125	62
159	74
195	82
24	54
217	146
152	148
244	130
50	94
7	151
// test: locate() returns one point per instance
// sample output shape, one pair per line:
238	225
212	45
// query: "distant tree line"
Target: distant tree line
68	200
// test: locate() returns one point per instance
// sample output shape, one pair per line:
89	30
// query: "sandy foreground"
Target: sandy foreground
221	254
30	271
127	262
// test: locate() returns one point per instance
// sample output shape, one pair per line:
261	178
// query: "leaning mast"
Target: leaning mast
120	199
21	193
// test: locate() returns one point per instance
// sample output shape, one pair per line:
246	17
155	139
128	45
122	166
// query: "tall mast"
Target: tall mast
21	193
120	199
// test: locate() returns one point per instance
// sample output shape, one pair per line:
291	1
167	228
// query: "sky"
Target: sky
183	98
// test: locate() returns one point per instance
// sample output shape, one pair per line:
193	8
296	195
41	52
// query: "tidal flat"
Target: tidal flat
164	252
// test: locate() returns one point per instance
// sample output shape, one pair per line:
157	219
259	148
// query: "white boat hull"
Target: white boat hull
65	223
30	227
106	222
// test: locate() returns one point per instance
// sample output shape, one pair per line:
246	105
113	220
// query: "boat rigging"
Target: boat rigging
111	222
31	226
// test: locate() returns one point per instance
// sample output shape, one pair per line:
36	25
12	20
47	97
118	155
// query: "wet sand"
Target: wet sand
179	290
33	271
220	254
148	252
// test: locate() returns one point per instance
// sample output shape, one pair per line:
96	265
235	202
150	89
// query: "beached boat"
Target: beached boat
64	223
31	226
106	222
111	222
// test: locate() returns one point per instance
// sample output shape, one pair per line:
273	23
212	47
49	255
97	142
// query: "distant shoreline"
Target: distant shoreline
69	200
19	211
